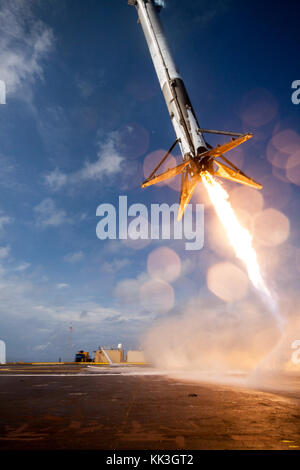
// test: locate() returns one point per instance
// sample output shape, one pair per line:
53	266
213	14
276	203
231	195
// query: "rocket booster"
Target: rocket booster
198	156
179	105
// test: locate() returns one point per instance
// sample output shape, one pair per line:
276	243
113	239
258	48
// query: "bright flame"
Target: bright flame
240	239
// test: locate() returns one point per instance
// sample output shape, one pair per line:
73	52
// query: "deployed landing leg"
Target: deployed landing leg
193	166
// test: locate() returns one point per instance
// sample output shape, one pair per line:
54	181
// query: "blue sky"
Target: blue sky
83	110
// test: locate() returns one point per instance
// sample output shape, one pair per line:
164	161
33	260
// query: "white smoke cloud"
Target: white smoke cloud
221	337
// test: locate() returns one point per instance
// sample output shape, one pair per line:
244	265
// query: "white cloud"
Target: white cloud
55	179
115	265
25	42
109	163
8	172
90	312
41	347
22	267
4	220
4	251
127	292
49	215
88	82
86	87
62	285
74	257
44	309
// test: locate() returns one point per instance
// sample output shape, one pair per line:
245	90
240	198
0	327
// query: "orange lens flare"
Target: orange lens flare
240	239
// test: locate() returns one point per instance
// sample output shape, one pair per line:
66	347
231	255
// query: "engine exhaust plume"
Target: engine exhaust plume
241	241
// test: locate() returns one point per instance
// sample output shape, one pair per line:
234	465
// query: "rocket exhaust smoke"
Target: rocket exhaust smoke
241	241
235	342
212	340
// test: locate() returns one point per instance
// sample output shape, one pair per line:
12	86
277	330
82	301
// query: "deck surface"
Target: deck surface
113	408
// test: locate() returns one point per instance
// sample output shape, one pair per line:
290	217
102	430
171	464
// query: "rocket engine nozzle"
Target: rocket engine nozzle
205	164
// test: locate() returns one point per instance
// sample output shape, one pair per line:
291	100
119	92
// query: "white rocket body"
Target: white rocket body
179	106
198	156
